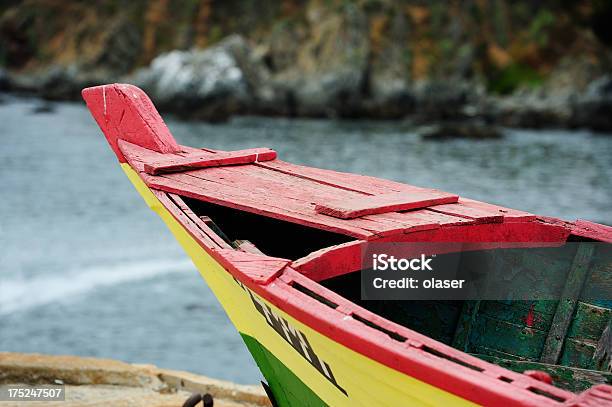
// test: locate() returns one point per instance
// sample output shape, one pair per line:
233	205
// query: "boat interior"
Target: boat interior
515	334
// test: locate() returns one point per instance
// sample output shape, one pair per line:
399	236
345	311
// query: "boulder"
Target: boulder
471	130
4	80
389	93
210	84
329	75
437	100
593	109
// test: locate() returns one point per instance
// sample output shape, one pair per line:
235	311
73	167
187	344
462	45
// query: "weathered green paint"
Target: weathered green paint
603	351
527	268
598	288
436	319
567	305
589	322
578	353
465	324
572	379
510	338
483	350
287	388
517	312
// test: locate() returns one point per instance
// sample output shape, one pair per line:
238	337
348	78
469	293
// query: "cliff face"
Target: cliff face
374	58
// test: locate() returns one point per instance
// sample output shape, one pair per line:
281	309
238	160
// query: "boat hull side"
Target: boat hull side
289	368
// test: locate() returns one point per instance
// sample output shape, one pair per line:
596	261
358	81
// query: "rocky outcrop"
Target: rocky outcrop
593	109
210	84
525	65
329	75
470	130
105	382
4	80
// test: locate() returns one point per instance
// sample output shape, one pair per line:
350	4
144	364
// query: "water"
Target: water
86	269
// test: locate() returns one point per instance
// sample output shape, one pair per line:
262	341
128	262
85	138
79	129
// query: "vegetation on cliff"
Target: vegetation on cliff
375	58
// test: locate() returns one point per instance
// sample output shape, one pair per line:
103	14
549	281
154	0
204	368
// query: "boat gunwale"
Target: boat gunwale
406	356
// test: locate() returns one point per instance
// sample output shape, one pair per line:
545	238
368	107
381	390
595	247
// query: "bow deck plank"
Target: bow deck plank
173	162
341	180
289	192
482	212
468	211
375	204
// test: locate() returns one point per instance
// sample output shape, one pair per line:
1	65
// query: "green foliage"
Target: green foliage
508	79
215	34
540	25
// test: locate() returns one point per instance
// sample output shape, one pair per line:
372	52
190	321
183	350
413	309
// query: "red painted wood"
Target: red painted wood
481	387
539	375
510	215
342	180
347	258
124	112
269	192
258	268
258	203
197	222
374	204
174	163
198	231
248	247
425	219
592	230
469	211
600	395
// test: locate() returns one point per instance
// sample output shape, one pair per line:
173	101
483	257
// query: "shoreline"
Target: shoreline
100	382
463	108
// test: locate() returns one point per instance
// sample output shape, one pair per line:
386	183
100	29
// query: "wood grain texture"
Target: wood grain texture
593	231
258	268
375	204
175	163
567	304
124	112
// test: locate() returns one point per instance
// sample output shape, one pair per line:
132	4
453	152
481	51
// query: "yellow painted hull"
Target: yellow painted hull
365	381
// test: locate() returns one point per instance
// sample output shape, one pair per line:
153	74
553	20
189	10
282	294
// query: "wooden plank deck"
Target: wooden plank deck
289	192
375	204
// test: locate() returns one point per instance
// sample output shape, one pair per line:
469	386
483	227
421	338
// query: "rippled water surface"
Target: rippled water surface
87	269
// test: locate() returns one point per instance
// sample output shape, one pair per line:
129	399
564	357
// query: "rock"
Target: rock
118	50
105	382
388	89
593	109
444	100
4	80
59	83
210	84
532	108
462	130
35	368
329	75
43	107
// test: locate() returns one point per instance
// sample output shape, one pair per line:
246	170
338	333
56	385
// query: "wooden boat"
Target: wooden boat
279	245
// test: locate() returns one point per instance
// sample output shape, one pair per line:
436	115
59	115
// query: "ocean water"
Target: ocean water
87	269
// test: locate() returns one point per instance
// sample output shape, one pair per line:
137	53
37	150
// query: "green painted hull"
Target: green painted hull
286	387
